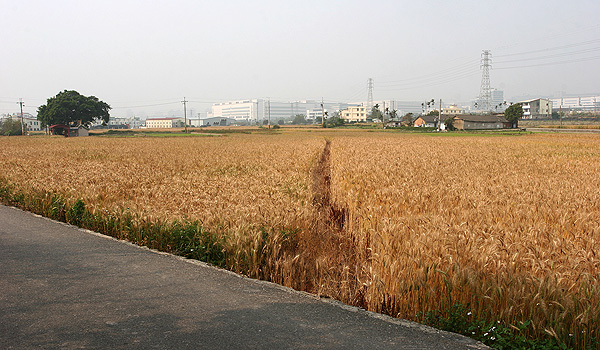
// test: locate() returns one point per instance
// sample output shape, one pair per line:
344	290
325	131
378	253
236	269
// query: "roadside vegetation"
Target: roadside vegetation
566	123
491	237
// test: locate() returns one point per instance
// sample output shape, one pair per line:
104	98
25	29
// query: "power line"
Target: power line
152	105
370	94
450	70
359	89
553	63
551	36
437	81
551	48
553	56
464	70
434	83
355	95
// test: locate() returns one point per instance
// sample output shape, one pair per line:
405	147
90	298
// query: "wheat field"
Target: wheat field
397	223
507	225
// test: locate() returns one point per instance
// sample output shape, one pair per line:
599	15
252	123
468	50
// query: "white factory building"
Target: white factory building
257	110
589	103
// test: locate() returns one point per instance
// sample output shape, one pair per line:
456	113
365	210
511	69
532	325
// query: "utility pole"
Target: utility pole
383	116
269	112
440	117
185	114
21	103
322	111
560	112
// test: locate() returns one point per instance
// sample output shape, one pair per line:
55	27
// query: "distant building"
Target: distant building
214	121
452	110
498	104
244	110
496	100
313	114
589	103
119	123
262	109
130	122
354	114
161	123
31	122
538	108
480	122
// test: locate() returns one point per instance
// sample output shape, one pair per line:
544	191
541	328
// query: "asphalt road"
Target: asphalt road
66	288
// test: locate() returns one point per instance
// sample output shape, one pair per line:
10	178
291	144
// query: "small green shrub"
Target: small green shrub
459	319
191	240
76	213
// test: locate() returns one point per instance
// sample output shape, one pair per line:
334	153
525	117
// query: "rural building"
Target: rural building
452	110
538	108
354	114
161	123
393	124
68	131
426	121
32	124
480	122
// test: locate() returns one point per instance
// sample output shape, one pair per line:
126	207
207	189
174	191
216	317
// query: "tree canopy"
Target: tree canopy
408	119
513	113
71	108
299	119
449	122
334	121
375	113
10	127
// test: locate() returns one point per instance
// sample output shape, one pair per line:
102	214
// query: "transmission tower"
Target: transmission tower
370	96
485	93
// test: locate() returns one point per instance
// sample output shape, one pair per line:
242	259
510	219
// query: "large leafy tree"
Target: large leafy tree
513	113
71	108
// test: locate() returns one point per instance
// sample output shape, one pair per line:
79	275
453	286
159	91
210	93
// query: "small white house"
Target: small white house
215	121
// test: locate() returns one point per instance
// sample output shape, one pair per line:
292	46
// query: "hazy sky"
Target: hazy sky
143	57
